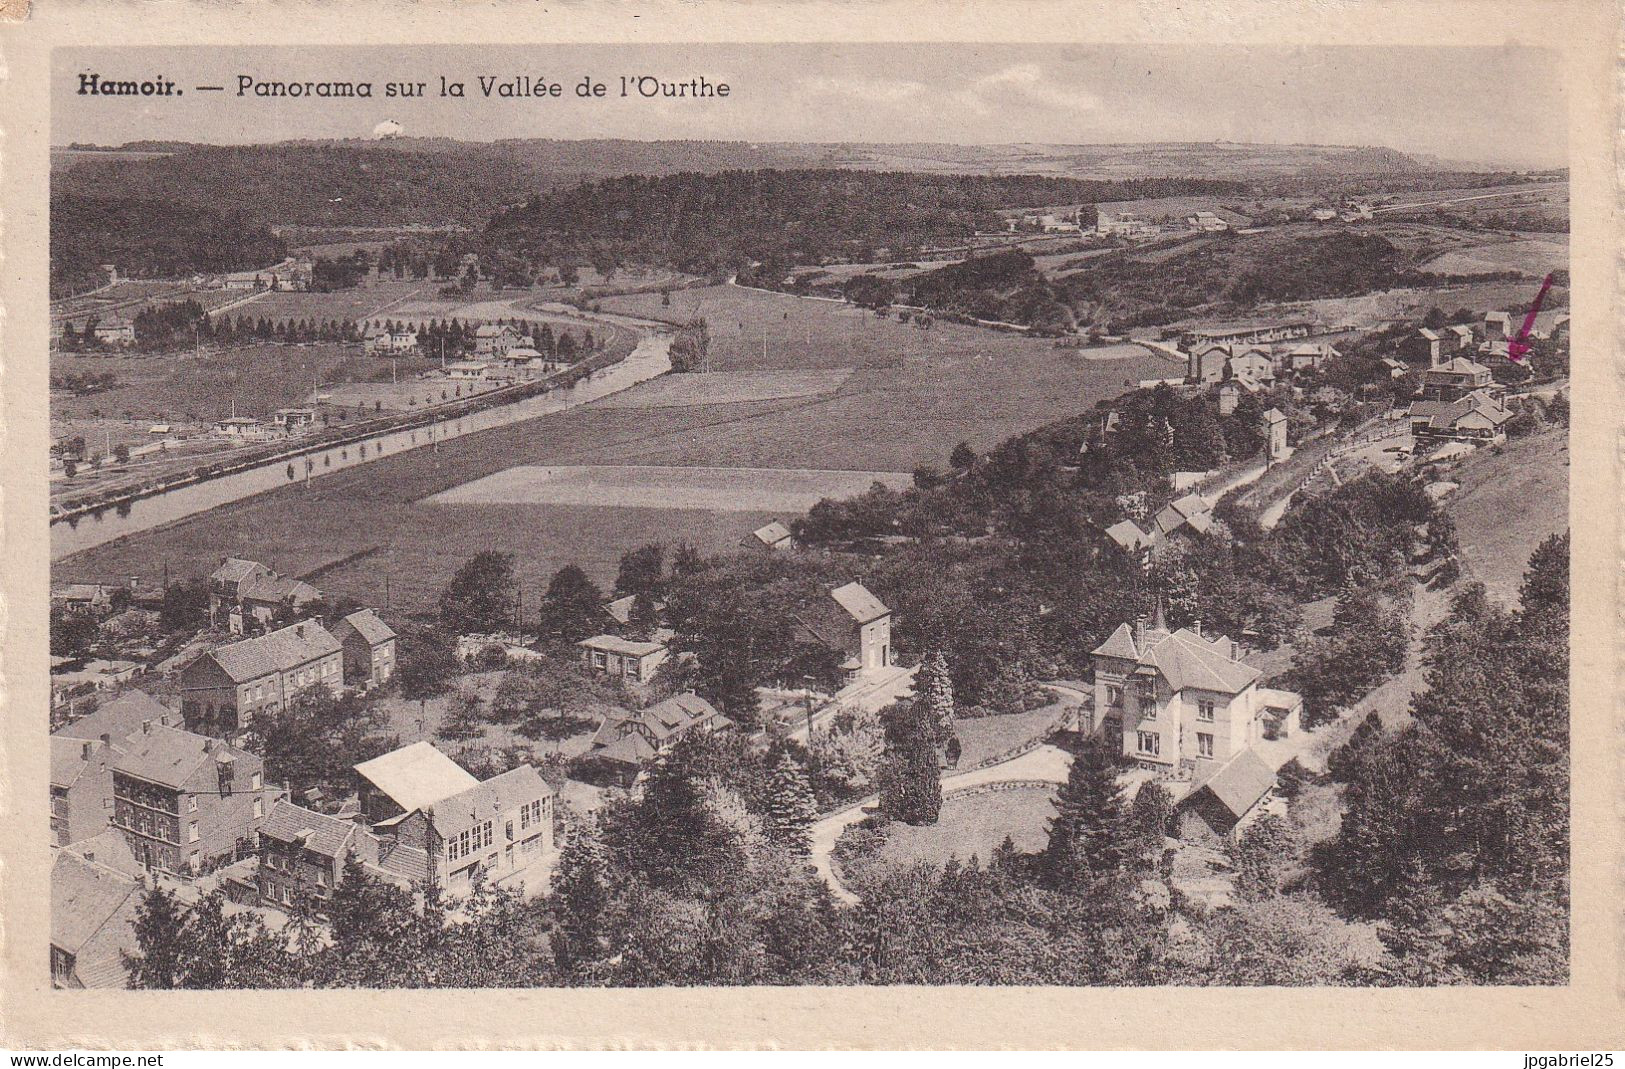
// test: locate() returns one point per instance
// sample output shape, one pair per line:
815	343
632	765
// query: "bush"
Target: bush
491	657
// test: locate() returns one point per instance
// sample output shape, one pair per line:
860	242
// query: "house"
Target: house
107	848
621	658
183	800
293	420
1191	511
1231	393
369	648
630	739
1275	434
1308	356
247	595
1455	378
465	829
1478	417
1461	336
854	622
81	788
1177	699
494	339
224	689
1245	334
119	718
774	535
406	780
1227	800
93	913
1207	361
301	855
1397	369
93	600
620	611
1253	368
246	427
118	332
1500	326
381	340
1324	215
1123	224
468	370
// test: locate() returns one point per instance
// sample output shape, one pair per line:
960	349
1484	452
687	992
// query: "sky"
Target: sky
1492	105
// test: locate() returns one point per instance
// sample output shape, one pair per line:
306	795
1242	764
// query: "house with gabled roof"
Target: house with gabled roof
854	622
1478	417
183	800
81	788
1455	378
93	913
462	828
369	648
301	855
225	688
629	739
494	339
1224	799
1177	699
773	535
248	596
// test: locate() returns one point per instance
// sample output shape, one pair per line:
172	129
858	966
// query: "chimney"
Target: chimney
107	740
146	727
1196	625
208	746
134	581
299	629
86	750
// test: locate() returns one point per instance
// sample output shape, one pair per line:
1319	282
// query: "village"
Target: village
533	563
161	710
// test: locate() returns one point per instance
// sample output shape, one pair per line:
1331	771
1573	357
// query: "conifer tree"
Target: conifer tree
158	922
910	777
790	809
937	692
1087	837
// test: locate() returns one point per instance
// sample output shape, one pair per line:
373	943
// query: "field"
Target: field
974	825
729	387
645	487
1532	256
1508	504
961	384
183	386
376	298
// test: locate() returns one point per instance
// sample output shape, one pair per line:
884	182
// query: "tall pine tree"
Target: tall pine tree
937	692
910	777
1089	836
790	809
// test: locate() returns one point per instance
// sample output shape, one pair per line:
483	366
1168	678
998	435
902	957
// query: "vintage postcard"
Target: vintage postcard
826	525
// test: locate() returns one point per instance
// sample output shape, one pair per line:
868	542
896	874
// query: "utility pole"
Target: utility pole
386	590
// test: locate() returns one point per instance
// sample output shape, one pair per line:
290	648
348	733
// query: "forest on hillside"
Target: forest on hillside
706	223
149	238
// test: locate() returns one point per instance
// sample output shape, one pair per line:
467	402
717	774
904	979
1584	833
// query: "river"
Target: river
650	358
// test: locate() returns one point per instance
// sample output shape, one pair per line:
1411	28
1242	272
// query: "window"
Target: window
1150	743
1204	744
191	832
524	817
256	781
191	803
1204	710
259	808
1114	695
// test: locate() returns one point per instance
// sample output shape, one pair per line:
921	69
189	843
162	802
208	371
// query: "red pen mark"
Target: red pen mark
1518	348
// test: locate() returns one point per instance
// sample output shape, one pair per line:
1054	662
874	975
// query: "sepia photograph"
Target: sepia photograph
808	515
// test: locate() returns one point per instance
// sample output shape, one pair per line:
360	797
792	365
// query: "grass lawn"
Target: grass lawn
988	736
358	304
974	825
968	385
259	378
1510	502
412	722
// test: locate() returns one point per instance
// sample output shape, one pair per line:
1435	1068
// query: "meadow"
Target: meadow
958	384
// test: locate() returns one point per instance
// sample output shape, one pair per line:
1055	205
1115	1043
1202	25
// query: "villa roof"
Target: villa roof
91	914
236	569
1120	644
623	646
272	587
170	756
119	718
1460	365
278	651
108	849
323	834
1184	658
1240	782
771	534
416	776
483	801
68	760
1127	534
371	629
861	605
